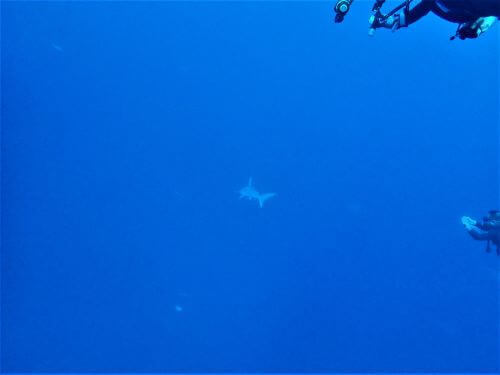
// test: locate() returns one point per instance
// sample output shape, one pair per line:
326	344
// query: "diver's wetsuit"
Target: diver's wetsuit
487	231
458	11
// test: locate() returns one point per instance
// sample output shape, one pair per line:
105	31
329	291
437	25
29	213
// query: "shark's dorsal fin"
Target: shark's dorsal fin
250	182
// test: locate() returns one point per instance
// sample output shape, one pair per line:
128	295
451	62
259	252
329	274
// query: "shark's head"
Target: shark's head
249	192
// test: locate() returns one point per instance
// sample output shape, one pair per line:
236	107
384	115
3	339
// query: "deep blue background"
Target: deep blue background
127	129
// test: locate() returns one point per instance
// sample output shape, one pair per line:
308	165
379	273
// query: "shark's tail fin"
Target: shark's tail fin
265	197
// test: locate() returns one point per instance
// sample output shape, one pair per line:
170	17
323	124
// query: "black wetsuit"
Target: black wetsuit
488	230
458	11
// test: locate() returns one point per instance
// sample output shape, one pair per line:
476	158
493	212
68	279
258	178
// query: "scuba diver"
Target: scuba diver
486	230
474	17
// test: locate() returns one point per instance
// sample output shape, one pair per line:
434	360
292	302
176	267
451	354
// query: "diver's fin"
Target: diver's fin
265	197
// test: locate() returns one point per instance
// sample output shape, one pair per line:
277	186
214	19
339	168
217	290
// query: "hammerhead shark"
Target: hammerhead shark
249	192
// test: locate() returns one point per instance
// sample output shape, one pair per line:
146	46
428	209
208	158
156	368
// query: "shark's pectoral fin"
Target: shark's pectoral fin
265	197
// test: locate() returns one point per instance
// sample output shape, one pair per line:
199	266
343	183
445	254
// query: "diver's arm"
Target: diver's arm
491	224
482	225
479	234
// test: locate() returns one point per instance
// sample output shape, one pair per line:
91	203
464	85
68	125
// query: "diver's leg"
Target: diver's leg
415	13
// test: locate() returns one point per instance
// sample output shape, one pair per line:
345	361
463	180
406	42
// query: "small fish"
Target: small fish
178	308
249	192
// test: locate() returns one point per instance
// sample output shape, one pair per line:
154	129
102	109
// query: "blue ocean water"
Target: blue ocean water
128	129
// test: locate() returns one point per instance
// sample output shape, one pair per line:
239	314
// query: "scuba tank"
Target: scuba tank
471	30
